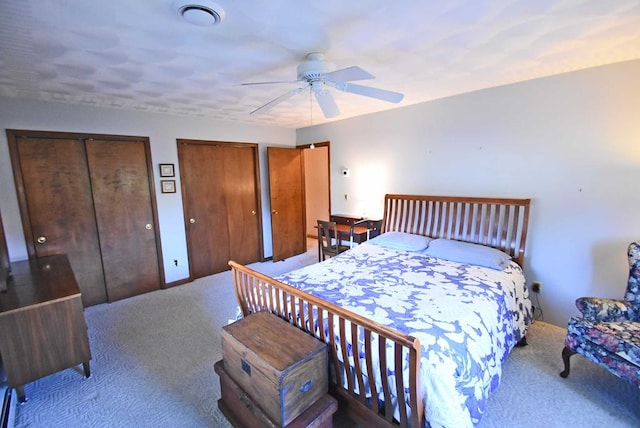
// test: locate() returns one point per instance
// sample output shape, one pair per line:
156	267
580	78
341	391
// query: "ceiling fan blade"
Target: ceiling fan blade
327	103
368	91
268	83
348	74
268	106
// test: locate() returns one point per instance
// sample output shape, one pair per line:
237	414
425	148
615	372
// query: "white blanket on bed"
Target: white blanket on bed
466	317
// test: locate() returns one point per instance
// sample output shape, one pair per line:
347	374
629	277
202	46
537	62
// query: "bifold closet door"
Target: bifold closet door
222	209
57	207
90	197
125	219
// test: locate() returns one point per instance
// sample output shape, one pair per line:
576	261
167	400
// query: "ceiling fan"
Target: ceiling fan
318	74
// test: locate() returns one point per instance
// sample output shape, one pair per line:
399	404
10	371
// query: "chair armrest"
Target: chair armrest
607	310
353	226
357	222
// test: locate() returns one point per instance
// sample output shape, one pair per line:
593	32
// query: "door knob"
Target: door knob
275	212
253	212
41	239
192	220
148	226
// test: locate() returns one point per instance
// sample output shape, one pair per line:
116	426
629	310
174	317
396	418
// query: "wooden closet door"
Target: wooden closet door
126	225
5	263
286	193
221	204
57	207
242	204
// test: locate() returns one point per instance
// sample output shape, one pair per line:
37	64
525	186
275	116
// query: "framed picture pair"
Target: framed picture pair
167	170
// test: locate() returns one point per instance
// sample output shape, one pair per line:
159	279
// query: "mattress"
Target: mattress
467	317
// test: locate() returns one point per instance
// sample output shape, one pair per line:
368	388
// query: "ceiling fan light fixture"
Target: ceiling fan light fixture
319	76
202	13
314	67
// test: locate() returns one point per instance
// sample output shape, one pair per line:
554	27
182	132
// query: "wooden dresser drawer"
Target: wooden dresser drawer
345	218
282	369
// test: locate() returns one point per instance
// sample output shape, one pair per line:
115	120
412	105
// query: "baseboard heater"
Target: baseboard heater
8	407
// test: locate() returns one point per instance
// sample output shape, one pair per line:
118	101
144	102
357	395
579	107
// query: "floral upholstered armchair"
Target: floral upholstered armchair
609	331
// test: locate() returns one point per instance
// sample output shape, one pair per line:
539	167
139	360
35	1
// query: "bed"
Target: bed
391	306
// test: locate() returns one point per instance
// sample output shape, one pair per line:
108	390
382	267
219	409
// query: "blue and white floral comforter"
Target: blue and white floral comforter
466	317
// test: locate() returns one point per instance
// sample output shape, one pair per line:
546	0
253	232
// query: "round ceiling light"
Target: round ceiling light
201	12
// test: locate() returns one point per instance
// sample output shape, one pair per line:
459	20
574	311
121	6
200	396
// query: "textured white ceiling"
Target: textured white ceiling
140	55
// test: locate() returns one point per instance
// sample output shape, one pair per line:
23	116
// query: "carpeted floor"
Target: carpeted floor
153	359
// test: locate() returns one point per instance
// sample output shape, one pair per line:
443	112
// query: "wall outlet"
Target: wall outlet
536	286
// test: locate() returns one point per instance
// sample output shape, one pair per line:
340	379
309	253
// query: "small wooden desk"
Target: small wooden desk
359	233
363	228
42	325
353	229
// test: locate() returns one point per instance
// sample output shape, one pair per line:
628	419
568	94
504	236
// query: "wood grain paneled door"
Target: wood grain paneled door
317	185
221	197
5	264
84	195
56	202
286	195
122	194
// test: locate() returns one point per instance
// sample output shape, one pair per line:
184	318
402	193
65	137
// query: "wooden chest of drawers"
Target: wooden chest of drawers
42	325
282	369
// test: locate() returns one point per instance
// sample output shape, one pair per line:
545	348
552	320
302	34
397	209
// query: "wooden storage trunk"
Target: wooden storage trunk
242	412
281	368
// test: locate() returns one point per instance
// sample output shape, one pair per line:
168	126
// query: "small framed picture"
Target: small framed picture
168	186
166	170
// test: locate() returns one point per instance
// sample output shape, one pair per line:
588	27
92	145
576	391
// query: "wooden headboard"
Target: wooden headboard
495	222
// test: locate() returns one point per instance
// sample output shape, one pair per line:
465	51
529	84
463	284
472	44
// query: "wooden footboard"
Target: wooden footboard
335	326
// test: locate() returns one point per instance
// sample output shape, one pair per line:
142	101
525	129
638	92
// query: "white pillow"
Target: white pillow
402	241
468	253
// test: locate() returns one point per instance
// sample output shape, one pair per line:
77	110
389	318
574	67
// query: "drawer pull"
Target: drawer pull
307	386
246	367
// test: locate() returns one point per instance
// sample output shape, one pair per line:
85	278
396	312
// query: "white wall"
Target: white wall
163	130
571	143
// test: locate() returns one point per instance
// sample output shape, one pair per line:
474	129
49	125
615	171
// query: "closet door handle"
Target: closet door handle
253	212
274	212
41	239
192	220
148	226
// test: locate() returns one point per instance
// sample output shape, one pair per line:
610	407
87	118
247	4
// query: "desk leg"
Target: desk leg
87	369
20	394
319	249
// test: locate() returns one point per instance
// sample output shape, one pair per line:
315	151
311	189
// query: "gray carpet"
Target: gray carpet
153	359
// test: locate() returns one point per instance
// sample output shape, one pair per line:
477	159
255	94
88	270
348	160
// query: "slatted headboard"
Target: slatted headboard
496	222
